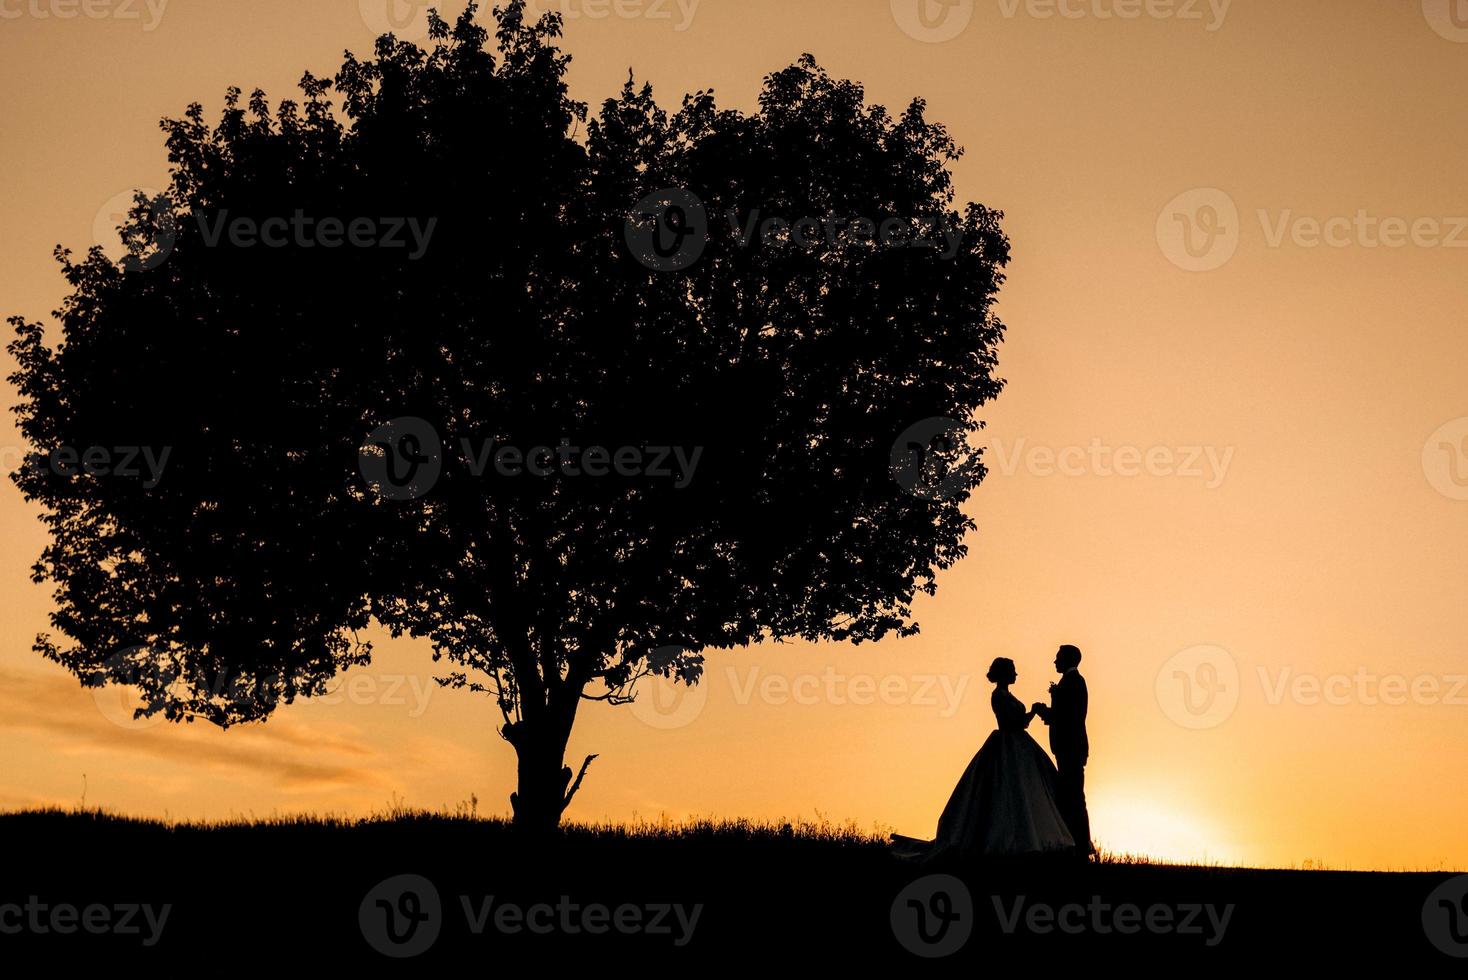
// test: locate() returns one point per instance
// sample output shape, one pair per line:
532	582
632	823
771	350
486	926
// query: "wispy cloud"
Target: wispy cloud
287	753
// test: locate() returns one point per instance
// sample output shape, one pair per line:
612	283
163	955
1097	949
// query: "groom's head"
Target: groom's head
1067	658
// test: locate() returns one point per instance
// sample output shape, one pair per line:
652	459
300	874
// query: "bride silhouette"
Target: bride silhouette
1005	803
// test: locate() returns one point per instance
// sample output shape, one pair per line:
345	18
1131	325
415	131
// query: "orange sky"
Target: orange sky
1219	461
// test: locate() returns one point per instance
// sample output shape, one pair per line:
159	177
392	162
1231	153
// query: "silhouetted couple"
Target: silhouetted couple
1011	799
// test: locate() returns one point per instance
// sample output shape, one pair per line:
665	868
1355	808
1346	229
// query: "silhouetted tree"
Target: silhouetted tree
607	282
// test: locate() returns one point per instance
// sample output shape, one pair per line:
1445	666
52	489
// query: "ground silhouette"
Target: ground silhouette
326	893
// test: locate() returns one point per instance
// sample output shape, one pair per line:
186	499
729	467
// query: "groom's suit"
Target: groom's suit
1066	716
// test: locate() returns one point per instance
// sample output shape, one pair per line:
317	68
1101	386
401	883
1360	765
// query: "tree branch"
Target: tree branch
577	784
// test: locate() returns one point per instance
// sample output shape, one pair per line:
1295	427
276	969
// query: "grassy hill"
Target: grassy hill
246	896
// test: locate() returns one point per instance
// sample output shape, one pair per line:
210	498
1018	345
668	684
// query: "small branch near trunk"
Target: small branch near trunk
577	784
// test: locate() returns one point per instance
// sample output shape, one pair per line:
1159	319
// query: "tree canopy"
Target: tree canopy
769	299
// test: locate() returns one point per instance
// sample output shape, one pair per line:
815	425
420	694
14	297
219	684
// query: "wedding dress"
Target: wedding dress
1005	802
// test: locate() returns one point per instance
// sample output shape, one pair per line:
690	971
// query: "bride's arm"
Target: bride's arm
1028	715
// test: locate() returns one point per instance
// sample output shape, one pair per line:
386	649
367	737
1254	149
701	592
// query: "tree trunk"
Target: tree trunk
544	784
539	797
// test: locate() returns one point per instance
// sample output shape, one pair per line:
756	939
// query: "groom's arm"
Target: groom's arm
1070	699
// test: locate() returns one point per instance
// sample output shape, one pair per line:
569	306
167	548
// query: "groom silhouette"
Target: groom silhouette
1066	716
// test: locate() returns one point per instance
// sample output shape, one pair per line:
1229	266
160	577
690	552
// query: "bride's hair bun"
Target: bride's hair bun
1001	669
